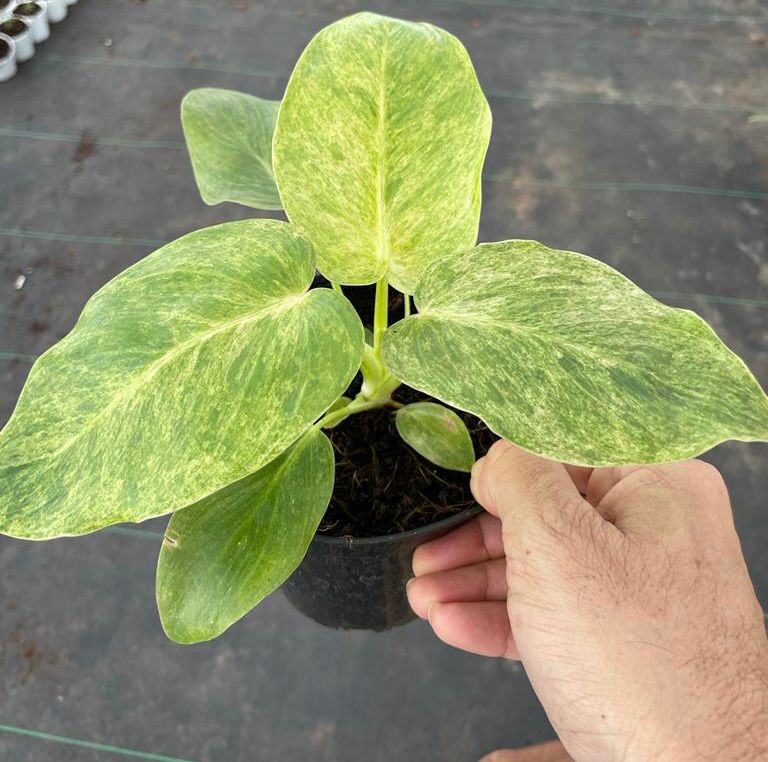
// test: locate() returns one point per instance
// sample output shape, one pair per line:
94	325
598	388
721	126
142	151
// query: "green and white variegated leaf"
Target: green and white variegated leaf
190	370
436	433
565	357
226	553
229	138
379	146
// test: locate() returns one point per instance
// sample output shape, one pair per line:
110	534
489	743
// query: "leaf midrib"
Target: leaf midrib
474	319
382	228
276	306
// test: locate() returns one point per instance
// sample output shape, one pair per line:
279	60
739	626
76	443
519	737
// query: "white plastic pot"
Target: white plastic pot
6	8
21	33
57	10
36	15
7	57
70	2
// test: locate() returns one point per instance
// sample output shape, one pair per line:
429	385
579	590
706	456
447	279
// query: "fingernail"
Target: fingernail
431	608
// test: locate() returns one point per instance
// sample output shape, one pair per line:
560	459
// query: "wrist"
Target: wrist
734	727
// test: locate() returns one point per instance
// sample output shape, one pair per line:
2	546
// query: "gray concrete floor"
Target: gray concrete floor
620	130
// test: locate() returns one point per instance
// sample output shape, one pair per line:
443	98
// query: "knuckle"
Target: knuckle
655	478
705	493
496	450
706	476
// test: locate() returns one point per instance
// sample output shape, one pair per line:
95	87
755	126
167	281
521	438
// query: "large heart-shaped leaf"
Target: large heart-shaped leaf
564	356
229	137
223	555
190	370
436	433
378	148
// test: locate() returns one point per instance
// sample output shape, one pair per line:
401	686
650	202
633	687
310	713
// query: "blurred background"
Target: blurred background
624	129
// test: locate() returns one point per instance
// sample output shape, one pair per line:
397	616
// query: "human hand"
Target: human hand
631	608
545	752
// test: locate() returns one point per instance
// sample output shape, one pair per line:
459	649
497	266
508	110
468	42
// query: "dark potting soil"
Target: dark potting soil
4	49
382	485
27	9
13	27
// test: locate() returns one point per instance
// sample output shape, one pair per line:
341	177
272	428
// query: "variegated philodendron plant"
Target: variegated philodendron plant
200	380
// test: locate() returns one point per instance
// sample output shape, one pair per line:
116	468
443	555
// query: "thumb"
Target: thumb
531	494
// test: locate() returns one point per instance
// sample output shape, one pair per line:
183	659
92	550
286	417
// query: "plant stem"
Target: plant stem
336	287
357	405
378	382
407	302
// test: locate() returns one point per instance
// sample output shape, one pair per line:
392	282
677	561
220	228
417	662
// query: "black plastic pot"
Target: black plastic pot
359	584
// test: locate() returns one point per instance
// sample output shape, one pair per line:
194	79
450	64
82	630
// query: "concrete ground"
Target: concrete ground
621	129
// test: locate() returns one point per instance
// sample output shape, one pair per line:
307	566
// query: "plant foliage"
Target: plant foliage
198	381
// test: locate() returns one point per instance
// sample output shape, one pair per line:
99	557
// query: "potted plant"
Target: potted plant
207	380
7	57
21	34
36	15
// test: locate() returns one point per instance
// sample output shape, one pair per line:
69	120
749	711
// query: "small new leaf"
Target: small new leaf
564	356
379	146
436	433
190	370
229	138
226	553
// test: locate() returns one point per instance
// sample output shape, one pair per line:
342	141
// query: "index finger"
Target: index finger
476	541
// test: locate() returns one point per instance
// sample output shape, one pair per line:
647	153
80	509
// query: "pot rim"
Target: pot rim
444	524
11	43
